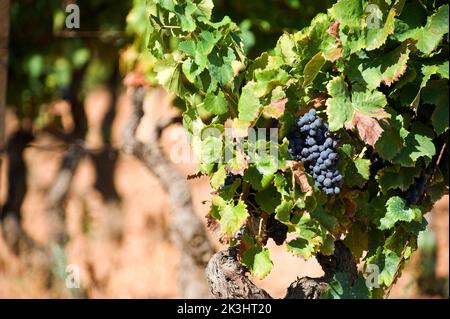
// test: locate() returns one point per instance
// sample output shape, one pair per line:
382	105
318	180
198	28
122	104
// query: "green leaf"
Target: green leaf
427	72
283	211
390	264
211	150
396	211
187	21
396	177
341	106
220	64
218	179
190	70
437	93
387	68
215	104
187	47
207	42
268	79
249	105
355	172
326	219
300	246
391	140
342	288
232	217
348	13
311	236
206	6
168	75
357	240
429	37
376	37
286	49
256	179
369	103
418	143
339	109
257	260
312	68
268	199
266	164
363	166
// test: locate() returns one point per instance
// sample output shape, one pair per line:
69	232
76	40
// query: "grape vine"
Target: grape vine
359	110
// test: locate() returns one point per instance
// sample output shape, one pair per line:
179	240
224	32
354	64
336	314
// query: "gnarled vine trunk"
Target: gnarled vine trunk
227	277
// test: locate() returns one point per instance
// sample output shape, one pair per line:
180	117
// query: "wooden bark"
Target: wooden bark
61	186
11	216
228	279
4	39
59	191
188	231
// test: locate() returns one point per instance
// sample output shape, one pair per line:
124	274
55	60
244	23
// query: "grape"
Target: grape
239	233
417	189
276	230
313	143
318	122
310	141
305	152
229	180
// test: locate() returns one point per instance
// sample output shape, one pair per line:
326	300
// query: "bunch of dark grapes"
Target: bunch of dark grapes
417	189
415	192
312	143
229	180
276	230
